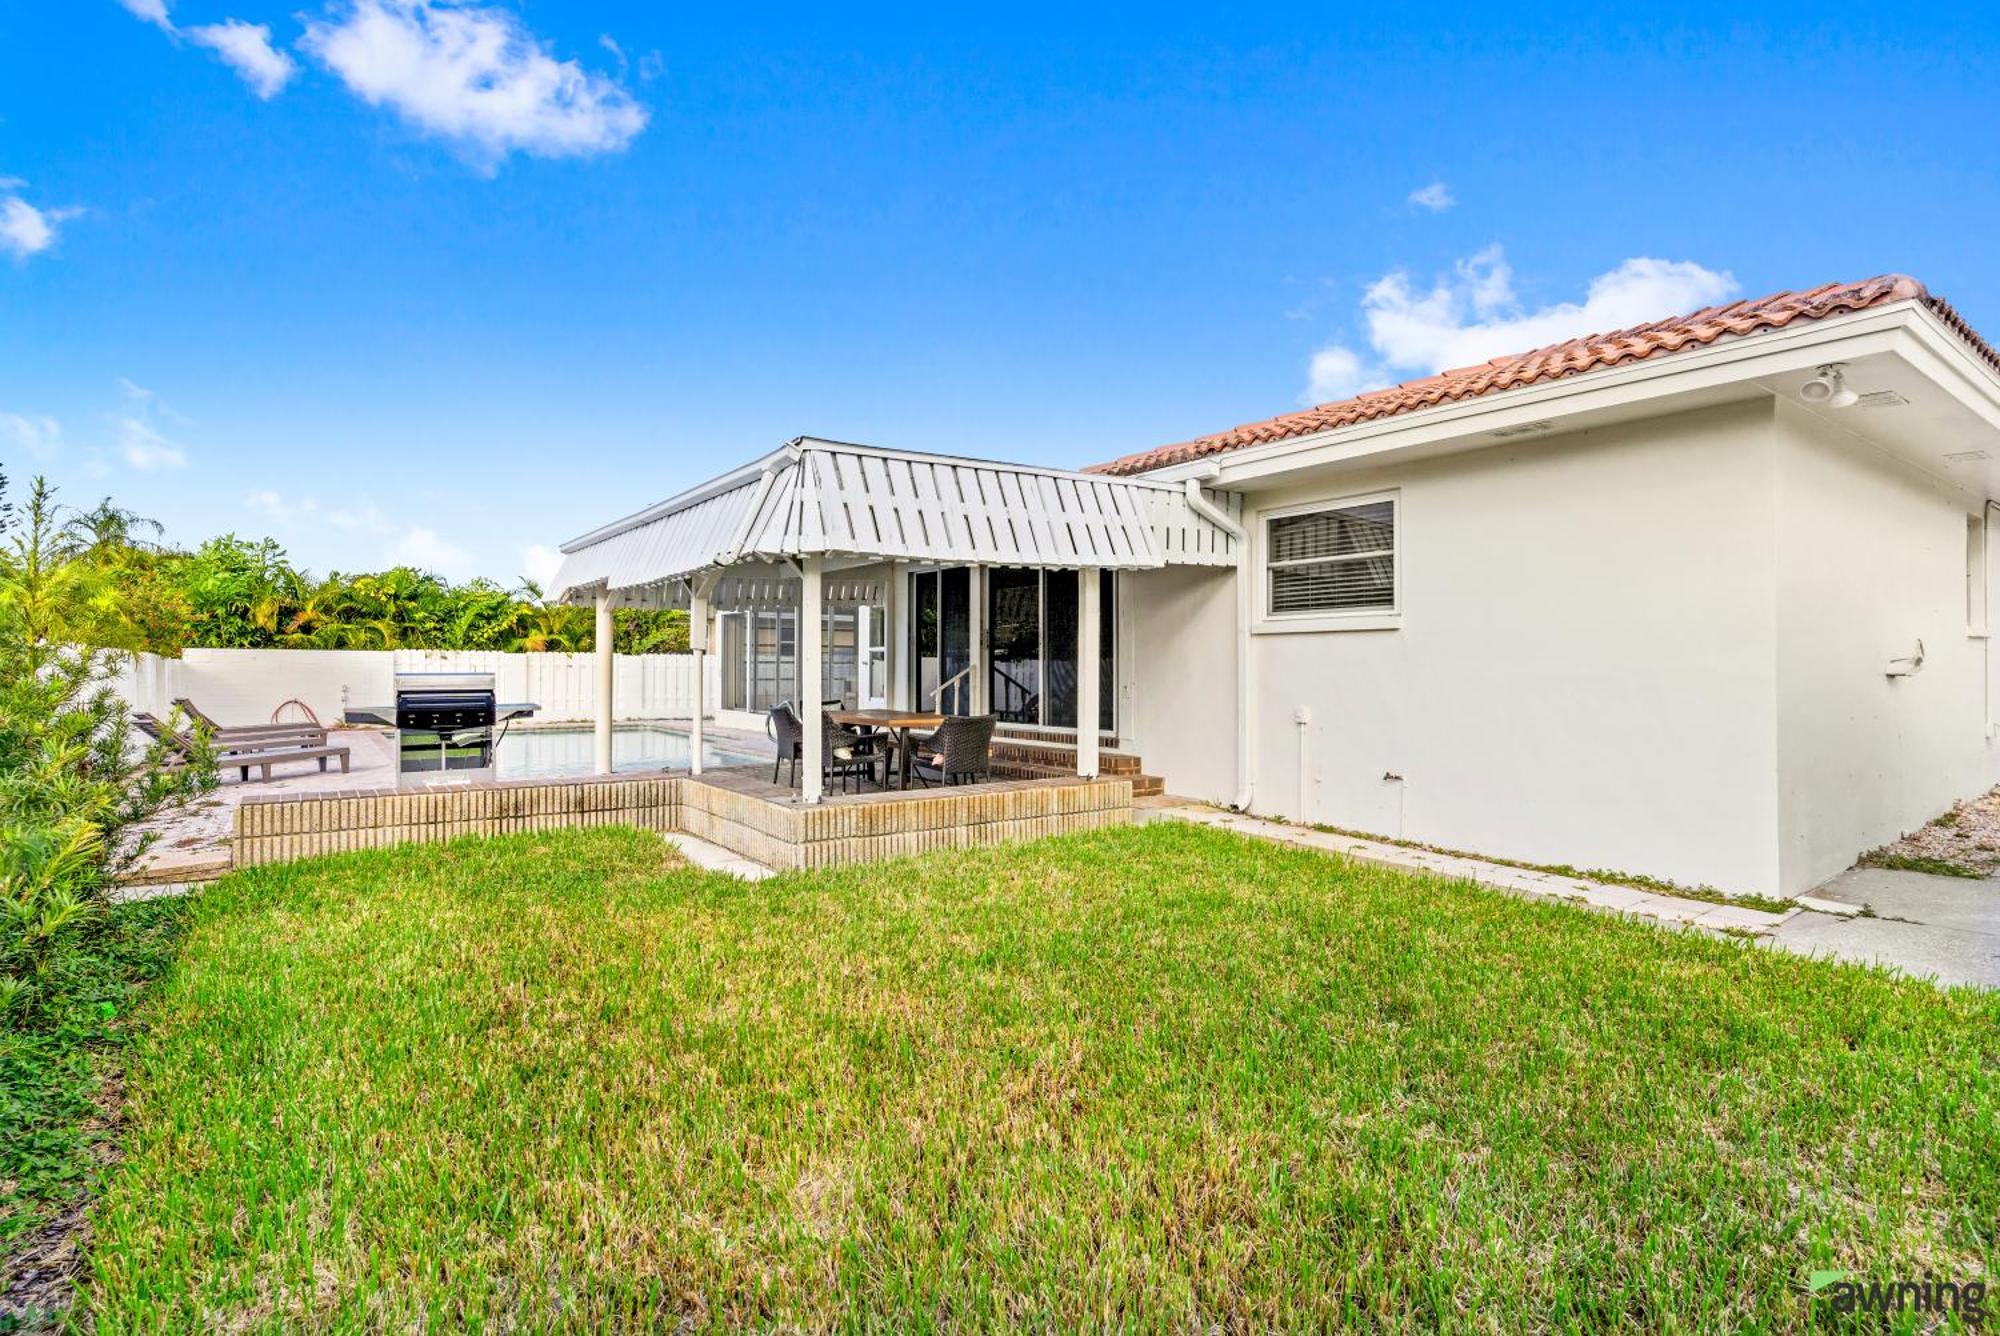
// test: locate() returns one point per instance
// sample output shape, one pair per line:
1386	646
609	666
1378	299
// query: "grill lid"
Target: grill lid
408	684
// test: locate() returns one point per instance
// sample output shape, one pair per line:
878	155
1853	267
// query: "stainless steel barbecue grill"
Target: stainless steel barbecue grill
444	725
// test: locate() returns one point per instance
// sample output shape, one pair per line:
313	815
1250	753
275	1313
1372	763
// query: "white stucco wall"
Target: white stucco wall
1178	659
1871	560
1582	670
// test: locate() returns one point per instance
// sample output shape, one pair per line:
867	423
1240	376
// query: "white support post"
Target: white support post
894	635
604	674
812	684
979	684
698	644
1089	673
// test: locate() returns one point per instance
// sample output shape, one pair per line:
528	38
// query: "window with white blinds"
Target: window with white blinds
1336	559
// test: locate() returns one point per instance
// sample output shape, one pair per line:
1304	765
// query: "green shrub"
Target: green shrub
75	790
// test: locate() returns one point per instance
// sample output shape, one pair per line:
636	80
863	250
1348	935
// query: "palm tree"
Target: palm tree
542	627
48	597
104	528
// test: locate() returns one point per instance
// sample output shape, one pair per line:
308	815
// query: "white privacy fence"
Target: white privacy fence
244	686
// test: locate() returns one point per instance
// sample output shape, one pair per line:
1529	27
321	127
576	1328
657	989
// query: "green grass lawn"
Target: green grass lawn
1157	1077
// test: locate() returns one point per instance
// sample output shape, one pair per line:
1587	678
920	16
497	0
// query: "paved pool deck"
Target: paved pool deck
194	843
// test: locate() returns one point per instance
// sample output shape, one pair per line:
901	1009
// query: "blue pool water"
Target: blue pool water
532	752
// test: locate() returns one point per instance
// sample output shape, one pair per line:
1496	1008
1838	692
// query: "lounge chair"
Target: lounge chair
229	732
244	755
845	754
959	752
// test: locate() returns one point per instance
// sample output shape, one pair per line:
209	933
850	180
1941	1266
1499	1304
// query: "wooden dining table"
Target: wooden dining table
900	722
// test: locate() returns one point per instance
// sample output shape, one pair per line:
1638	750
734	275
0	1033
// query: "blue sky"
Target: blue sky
453	282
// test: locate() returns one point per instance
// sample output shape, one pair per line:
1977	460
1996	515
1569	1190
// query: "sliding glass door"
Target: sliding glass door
1014	641
1055	656
1031	642
941	639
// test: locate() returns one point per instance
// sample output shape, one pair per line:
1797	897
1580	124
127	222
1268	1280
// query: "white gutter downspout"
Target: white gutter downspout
1245	754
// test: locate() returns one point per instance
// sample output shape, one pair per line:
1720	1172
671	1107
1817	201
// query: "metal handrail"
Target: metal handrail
937	692
1023	695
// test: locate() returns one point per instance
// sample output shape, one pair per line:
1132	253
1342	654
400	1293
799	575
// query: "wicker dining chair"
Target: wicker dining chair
960	752
845	753
788	731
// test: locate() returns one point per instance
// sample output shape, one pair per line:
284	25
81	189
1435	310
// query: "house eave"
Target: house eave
1741	367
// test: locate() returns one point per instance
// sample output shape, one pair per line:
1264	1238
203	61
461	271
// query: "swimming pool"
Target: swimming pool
533	752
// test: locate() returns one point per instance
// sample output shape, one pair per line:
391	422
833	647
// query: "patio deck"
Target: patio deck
737	808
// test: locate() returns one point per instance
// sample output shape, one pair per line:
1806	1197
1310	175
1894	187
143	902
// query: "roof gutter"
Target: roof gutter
1199	503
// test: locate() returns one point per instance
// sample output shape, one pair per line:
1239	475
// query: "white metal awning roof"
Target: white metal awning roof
827	499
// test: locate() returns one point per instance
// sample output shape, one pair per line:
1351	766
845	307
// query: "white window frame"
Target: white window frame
1359	619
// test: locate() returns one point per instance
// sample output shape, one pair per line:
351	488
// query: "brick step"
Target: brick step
1143	786
1062	755
172	871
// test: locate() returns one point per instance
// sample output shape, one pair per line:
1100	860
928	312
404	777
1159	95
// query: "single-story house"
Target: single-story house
1706	599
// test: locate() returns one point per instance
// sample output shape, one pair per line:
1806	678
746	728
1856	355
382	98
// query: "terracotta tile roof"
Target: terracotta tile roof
1593	352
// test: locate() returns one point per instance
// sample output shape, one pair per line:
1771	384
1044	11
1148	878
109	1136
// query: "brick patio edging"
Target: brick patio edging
280	827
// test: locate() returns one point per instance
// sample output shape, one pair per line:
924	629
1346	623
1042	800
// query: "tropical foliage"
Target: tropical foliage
237	593
75	791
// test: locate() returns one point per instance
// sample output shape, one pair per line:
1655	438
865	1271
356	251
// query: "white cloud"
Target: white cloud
368	519
399	544
246	48
425	550
153	11
1474	316
1339	373
1436	197
540	563
24	229
134	391
474	76
39	437
278	508
145	449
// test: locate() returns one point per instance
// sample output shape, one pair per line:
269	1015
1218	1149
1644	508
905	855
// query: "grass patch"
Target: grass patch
53	1129
1937	867
1154	1077
49	1081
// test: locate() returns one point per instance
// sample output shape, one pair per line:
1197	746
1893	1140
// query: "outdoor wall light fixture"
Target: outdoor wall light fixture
1829	389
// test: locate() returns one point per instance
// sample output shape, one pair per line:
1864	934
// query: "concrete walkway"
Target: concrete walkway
1944	928
715	858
